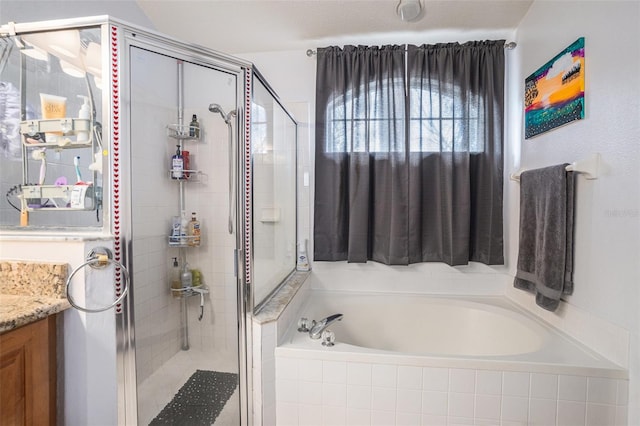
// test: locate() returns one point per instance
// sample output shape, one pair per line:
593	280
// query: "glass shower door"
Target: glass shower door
186	332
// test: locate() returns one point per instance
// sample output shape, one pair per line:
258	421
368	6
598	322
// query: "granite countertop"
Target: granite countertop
30	291
16	311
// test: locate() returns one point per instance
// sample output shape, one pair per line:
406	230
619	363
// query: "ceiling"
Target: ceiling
245	26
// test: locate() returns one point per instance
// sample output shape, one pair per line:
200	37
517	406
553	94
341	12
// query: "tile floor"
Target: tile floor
158	389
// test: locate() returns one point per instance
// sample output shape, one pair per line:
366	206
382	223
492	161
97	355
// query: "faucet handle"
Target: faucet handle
304	325
328	338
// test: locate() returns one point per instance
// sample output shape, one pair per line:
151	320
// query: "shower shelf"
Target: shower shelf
186	291
178	244
194	176
182	132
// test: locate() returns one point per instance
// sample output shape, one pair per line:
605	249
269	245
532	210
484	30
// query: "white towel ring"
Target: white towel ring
98	258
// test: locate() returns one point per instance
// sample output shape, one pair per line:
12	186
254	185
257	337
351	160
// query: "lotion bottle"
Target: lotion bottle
85	114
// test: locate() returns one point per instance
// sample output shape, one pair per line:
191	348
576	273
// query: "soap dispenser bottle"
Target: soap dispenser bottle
85	114
176	283
177	164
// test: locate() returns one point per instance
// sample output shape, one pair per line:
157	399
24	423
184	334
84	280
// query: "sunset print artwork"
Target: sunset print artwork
554	94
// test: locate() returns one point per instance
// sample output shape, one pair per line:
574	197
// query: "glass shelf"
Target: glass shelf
67	127
58	197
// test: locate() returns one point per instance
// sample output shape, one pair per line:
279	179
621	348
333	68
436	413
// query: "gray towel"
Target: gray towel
545	252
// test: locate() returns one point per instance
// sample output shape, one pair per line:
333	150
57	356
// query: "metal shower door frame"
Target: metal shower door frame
123	37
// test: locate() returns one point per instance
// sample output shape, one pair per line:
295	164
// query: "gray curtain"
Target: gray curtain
409	153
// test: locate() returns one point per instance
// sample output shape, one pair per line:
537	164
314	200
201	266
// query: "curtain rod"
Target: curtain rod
509	46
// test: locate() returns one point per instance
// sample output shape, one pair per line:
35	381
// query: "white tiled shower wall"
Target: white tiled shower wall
156	200
320	392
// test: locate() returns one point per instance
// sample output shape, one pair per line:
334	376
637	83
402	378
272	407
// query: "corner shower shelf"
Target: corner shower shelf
194	175
186	238
183	132
187	291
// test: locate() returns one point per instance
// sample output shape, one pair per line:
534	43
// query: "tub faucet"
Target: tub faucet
320	326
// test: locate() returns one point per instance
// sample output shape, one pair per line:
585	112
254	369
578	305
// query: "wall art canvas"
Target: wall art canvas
554	94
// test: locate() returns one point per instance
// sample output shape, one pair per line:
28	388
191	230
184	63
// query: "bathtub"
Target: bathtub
416	359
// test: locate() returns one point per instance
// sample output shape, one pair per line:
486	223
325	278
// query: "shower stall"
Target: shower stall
175	130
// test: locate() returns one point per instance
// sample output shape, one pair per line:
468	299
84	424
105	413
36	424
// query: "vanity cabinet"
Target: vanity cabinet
28	374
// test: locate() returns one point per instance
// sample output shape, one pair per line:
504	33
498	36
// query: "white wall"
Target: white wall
607	234
292	74
607	228
43	10
88	339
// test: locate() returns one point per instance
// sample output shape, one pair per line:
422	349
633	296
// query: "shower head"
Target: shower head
215	108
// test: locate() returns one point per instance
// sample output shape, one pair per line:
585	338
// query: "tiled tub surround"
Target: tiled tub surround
30	291
268	327
323	392
351	385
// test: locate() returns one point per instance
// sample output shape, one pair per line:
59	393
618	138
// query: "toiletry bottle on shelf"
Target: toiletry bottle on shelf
194	231
185	277
84	114
176	283
196	278
194	127
303	262
186	163
177	164
174	238
184	228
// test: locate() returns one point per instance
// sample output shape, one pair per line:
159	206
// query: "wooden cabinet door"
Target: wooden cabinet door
28	374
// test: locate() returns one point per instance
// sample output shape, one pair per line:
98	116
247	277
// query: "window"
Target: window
436	123
409	163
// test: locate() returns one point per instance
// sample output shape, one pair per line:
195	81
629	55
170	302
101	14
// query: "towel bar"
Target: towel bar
588	167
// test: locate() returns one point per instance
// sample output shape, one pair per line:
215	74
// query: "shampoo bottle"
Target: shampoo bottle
186	164
85	114
194	231
177	164
184	228
194	127
176	283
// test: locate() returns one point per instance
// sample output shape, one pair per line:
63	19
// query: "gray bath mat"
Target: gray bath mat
199	401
